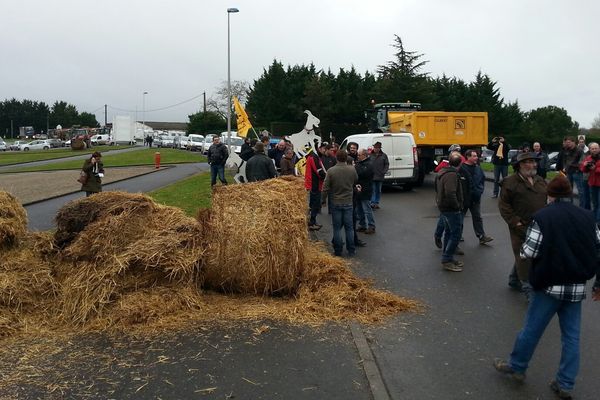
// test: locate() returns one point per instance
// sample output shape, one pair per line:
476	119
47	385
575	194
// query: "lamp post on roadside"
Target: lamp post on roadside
229	11
144	117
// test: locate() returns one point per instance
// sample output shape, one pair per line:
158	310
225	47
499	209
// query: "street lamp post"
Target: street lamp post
144	116
229	11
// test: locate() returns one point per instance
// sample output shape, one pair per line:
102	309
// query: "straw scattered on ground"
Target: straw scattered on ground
119	261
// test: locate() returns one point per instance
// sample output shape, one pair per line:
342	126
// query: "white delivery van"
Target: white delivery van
401	150
195	142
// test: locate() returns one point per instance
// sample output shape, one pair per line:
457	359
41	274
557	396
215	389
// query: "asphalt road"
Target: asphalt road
472	316
444	353
41	215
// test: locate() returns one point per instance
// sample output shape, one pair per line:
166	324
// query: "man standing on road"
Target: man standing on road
470	168
523	193
314	176
341	180
500	161
381	165
364	213
542	168
568	163
449	198
564	243
260	167
217	156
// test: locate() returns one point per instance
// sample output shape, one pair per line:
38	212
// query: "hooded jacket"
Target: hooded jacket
449	194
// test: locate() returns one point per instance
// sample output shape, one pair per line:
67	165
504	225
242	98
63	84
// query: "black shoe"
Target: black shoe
459	251
560	393
515	285
361	229
504	368
438	242
360	243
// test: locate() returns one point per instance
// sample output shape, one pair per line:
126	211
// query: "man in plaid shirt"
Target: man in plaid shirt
563	242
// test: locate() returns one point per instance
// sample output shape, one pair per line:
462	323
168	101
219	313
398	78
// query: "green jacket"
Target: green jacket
94	182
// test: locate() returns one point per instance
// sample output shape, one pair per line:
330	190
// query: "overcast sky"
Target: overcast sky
90	53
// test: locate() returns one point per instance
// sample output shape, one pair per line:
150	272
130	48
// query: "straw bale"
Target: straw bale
13	221
257	234
128	244
76	215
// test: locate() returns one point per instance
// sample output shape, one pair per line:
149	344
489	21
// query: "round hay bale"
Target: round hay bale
76	215
13	220
121	244
258	236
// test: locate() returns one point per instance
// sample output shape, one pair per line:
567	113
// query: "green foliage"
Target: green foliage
40	115
551	123
204	122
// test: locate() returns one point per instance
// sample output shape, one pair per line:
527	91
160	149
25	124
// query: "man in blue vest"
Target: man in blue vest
563	242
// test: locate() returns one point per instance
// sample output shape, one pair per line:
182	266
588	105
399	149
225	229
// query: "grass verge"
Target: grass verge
138	157
188	194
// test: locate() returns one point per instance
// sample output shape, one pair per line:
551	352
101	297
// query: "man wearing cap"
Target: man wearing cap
475	178
449	199
500	160
260	166
523	193
563	243
381	165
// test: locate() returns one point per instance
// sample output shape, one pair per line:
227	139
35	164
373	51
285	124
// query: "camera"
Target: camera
590	165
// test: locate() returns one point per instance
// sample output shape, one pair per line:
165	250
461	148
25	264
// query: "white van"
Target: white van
401	150
195	142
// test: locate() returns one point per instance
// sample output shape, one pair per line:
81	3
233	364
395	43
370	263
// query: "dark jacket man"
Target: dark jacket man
217	154
380	163
260	166
494	145
449	193
364	169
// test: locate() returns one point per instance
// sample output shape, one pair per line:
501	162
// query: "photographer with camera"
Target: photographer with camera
590	166
500	161
94	172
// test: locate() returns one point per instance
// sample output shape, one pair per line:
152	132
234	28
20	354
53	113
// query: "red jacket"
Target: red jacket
594	178
312	178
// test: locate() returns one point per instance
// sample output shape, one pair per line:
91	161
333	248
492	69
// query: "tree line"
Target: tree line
277	99
40	116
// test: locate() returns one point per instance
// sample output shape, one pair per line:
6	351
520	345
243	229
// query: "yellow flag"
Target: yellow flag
243	123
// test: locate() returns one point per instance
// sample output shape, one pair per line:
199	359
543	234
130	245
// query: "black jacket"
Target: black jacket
259	168
364	169
217	154
568	248
495	159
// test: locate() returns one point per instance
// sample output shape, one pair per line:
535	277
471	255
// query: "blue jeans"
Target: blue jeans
364	214
214	170
376	194
341	217
453	224
541	310
595	197
576	180
499	170
439	228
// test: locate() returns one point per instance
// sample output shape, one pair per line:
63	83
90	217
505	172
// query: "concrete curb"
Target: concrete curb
376	383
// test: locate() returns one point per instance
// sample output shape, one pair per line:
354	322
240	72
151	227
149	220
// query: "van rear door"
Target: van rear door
399	150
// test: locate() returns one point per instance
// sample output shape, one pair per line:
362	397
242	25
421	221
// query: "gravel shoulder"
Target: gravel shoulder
30	187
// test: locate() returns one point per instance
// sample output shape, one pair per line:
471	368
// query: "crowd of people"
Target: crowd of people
556	244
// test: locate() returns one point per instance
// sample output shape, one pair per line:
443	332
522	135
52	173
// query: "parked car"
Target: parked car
36	145
512	155
54	143
195	142
486	155
99	139
3	146
16	145
165	141
552	159
234	143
